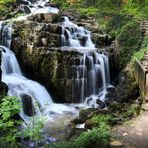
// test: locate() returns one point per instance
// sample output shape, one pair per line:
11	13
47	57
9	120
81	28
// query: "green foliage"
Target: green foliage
116	22
5	6
139	54
132	110
63	4
129	41
89	11
97	137
9	107
129	111
129	36
34	129
138	8
99	119
6	1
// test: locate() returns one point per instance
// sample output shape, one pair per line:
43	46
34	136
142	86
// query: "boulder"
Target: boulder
27	104
111	89
24	2
27	10
101	39
100	103
86	114
45	17
3	88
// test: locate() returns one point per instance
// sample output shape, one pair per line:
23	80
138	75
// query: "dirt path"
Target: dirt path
134	134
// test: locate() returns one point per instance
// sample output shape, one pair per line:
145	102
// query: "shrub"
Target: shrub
9	108
101	119
129	40
97	137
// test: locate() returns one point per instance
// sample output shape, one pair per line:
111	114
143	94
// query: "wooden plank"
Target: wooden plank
146	85
140	75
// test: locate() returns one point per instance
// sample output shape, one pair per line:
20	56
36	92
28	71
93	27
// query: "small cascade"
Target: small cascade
90	76
75	36
42	6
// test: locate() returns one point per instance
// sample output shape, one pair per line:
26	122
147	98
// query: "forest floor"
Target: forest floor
134	133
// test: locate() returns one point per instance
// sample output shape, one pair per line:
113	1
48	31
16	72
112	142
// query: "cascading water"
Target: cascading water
36	7
75	36
42	6
20	86
91	75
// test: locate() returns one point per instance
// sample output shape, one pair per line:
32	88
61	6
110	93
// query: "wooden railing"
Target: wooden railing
141	75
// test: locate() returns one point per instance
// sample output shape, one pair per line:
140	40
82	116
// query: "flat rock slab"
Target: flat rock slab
133	134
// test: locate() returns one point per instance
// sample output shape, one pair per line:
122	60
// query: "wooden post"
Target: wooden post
146	85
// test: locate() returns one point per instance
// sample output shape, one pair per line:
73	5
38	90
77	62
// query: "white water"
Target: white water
45	9
74	36
91	78
39	6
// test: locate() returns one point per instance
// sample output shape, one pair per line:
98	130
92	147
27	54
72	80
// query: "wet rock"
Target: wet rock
27	103
89	101
83	40
27	10
101	39
92	28
100	103
45	17
109	95
77	121
89	124
3	88
23	2
111	89
54	28
86	114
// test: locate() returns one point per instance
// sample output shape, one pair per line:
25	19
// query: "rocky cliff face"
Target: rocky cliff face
36	43
32	42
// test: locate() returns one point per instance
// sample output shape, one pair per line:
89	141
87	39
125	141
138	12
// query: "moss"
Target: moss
139	54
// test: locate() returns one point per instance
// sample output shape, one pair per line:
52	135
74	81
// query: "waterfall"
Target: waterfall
19	85
29	91
91	76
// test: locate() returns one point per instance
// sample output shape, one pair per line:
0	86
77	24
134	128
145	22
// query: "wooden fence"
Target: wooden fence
141	75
